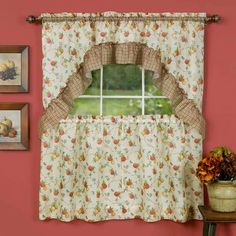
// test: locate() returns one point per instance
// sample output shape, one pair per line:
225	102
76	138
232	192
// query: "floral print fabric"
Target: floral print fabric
180	43
99	168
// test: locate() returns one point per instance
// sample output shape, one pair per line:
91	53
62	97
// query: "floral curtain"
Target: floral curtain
100	168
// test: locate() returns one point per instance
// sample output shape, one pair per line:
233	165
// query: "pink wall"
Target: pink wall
19	171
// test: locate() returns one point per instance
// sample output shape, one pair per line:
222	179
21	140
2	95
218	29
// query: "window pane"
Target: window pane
86	106
124	106
150	88
94	88
122	80
157	106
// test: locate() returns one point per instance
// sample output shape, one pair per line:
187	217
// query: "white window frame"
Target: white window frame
101	96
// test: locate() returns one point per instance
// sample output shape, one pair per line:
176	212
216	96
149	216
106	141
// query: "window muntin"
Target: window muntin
121	90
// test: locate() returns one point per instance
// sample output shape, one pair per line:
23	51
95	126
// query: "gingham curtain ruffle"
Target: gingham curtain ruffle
123	53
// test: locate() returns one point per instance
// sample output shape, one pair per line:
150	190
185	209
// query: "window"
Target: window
121	90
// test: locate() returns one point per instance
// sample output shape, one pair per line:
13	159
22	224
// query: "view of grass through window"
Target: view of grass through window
124	92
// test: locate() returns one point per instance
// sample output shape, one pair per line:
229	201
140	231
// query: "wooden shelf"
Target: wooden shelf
217	217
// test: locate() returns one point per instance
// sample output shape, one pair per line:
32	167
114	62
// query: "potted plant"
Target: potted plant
218	171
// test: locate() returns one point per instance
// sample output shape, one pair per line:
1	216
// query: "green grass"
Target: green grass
122	107
85	106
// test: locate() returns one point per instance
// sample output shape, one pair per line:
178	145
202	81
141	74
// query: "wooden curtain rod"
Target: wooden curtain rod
38	20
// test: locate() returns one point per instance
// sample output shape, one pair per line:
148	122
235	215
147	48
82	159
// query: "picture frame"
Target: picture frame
14	126
14	66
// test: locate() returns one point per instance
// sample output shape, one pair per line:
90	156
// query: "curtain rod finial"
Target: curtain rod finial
213	19
32	19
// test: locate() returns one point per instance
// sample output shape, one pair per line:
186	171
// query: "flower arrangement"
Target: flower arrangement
220	164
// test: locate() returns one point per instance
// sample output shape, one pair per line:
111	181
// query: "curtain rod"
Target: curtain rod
38	19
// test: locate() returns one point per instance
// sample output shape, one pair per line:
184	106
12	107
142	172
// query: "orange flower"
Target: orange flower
209	168
116	194
135	165
129	182
146	185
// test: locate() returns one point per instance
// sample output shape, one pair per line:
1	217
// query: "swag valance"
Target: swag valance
124	53
121	167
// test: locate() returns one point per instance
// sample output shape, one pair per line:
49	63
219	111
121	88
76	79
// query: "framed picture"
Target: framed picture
14	69
14	126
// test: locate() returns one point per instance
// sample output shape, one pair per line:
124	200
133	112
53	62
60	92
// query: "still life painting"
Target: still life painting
13	69
10	122
14	126
10	69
